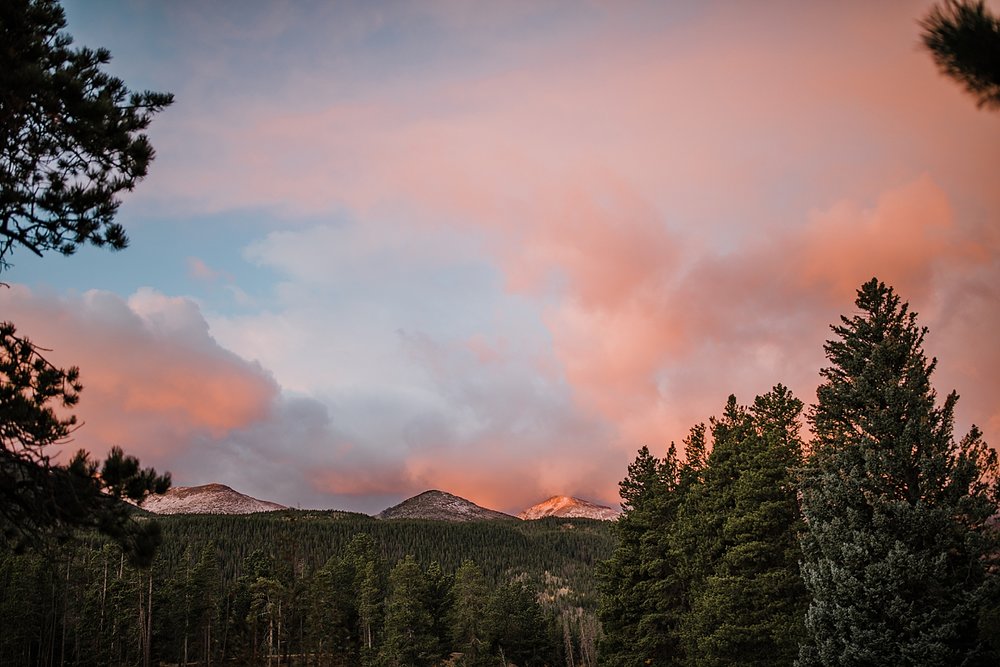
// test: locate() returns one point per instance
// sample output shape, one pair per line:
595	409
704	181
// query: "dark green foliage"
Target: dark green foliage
70	135
233	590
70	142
739	532
706	568
189	602
409	637
638	606
41	500
898	549
964	38
517	626
467	617
438	601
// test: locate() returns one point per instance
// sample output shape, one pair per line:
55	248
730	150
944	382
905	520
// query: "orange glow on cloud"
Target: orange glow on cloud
689	212
579	189
153	378
907	234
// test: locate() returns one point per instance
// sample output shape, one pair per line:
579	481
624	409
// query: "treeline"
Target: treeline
874	544
568	549
311	588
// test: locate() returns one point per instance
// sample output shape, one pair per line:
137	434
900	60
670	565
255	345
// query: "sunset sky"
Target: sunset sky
495	247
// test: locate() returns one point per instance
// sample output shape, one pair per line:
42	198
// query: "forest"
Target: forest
304	587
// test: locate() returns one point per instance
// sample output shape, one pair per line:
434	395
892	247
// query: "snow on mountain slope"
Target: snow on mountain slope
566	506
440	506
207	499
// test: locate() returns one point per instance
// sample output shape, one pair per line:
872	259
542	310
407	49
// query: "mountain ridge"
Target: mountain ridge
207	499
433	504
441	506
570	508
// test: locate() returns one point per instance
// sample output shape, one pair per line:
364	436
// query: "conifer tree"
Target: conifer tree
71	143
467	617
898	550
641	594
409	638
438	603
332	610
747	598
369	588
517	627
964	39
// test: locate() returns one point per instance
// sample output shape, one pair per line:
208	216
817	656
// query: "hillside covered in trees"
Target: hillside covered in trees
325	588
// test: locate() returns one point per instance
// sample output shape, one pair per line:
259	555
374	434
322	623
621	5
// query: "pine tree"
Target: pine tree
409	637
467	617
747	598
639	600
964	38
438	603
517	627
369	588
71	136
897	547
71	142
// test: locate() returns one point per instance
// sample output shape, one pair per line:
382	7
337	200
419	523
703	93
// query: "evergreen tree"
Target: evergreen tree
467	617
70	143
638	604
747	598
964	38
409	637
517	626
70	135
438	603
332	611
897	549
369	589
41	500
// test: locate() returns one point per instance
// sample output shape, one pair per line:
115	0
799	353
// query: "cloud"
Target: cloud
154	379
689	214
505	263
430	371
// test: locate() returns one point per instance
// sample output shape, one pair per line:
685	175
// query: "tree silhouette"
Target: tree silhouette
39	499
70	142
70	136
964	39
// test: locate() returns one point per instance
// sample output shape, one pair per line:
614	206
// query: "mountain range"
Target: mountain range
431	505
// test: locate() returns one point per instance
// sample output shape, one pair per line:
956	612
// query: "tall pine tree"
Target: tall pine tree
409	627
740	539
897	547
634	604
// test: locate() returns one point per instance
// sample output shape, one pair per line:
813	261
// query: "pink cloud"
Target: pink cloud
199	270
693	211
907	234
155	382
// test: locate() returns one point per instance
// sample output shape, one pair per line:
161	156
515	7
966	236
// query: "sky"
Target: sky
494	248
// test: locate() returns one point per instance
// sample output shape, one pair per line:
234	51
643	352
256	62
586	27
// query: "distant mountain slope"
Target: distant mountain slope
566	506
440	506
207	499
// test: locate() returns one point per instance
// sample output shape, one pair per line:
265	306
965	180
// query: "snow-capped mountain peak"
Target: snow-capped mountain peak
567	506
207	499
440	506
